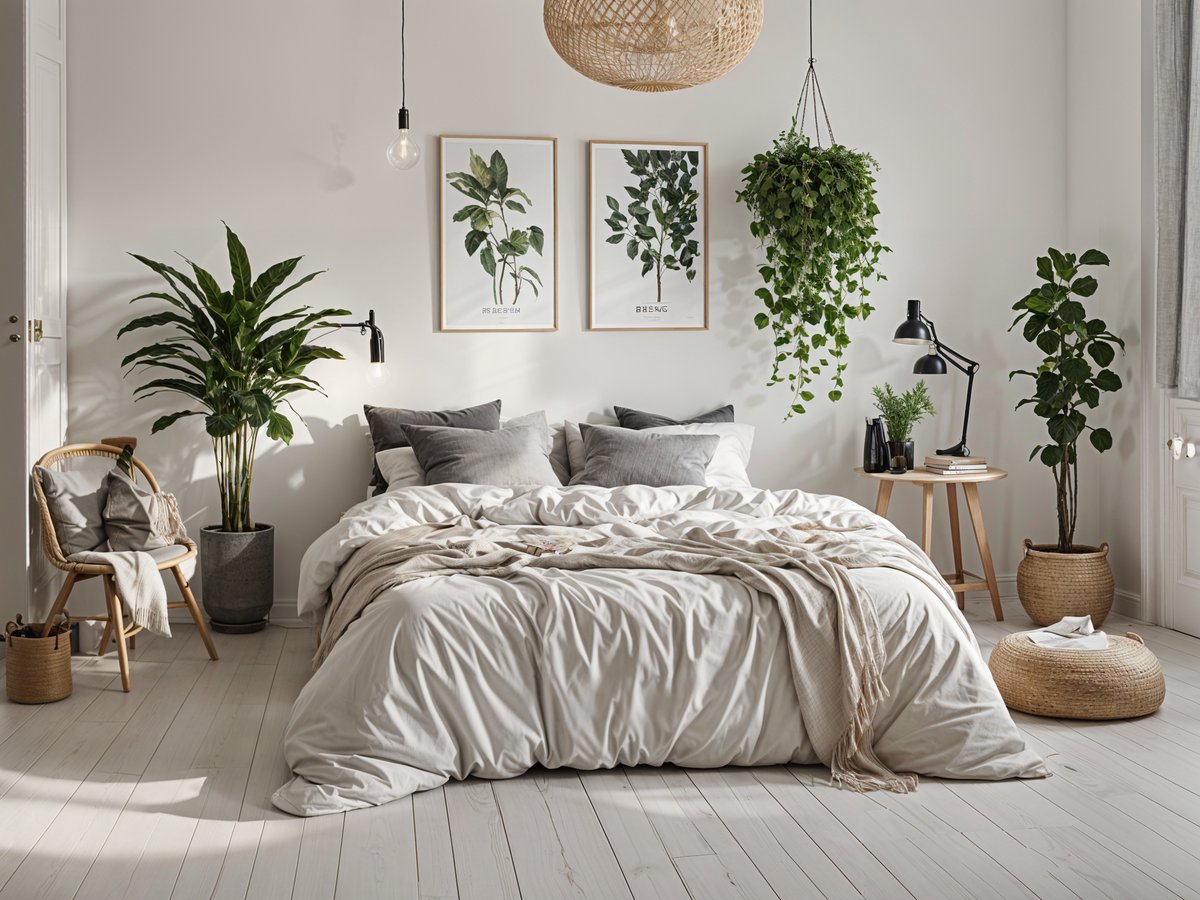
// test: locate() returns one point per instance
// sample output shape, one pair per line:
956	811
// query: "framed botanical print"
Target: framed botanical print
648	229
499	233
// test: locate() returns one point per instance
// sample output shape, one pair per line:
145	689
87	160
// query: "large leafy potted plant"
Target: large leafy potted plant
238	360
813	208
1065	578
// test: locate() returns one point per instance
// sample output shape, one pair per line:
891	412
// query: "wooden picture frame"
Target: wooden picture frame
518	292
676	300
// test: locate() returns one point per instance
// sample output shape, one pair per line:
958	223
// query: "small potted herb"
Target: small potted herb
900	412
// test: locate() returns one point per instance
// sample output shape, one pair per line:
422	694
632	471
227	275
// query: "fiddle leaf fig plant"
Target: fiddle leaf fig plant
813	208
234	357
1072	375
501	245
665	192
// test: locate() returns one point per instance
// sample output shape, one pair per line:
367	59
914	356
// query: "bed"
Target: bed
468	630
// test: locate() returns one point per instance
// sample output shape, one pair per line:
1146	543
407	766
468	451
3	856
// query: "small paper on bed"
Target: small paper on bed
1071	633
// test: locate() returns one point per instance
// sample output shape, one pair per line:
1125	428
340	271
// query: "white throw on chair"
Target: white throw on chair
171	557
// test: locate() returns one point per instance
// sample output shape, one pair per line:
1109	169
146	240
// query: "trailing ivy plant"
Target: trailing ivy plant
500	245
1073	374
667	193
813	208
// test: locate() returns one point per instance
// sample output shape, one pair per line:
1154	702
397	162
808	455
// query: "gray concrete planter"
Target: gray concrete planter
237	577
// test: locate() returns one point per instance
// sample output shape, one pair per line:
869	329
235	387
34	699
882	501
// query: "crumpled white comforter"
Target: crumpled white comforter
454	676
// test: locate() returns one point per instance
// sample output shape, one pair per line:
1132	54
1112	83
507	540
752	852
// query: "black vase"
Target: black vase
905	449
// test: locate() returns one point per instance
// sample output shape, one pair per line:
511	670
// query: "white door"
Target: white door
45	327
1182	545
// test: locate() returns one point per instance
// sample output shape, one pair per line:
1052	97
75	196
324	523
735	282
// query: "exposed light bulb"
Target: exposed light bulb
404	152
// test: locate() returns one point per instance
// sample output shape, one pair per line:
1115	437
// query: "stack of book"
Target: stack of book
956	465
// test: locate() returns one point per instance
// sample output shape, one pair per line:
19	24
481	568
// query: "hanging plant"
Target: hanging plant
813	208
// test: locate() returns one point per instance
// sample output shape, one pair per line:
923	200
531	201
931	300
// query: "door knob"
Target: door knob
15	338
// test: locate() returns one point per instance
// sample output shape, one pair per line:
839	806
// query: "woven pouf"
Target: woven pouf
1122	682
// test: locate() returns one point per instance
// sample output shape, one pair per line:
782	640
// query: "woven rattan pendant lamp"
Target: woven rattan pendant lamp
653	45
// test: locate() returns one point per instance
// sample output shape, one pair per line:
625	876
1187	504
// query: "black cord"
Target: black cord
403	54
810	31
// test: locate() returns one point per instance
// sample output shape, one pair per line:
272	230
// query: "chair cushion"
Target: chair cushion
139	519
76	503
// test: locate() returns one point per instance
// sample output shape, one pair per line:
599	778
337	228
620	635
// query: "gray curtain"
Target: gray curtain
1177	193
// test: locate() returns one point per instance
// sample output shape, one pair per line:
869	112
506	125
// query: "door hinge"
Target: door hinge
36	332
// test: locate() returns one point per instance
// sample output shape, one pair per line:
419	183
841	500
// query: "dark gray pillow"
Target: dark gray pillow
387	426
635	418
619	456
507	457
76	504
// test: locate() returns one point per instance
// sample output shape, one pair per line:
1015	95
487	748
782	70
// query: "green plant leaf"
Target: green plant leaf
1093	258
279	428
1084	286
1051	456
1101	352
239	265
473	240
169	420
1101	439
488	260
1107	380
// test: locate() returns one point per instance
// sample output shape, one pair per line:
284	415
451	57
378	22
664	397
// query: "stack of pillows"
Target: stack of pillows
474	446
114	514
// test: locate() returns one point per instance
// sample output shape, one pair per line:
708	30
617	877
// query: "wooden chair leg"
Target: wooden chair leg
133	642
60	602
118	624
106	637
194	608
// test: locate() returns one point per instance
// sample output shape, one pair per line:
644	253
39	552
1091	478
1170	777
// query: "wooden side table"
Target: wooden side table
959	580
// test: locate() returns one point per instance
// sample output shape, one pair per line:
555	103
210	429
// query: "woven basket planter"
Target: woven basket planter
1052	584
38	669
1122	682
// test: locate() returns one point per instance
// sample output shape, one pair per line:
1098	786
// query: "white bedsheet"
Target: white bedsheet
456	676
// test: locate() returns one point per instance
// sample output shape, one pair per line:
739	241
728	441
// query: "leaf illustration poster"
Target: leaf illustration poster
499	234
649	236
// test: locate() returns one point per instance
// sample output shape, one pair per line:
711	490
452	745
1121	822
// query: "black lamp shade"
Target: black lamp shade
376	338
914	331
930	364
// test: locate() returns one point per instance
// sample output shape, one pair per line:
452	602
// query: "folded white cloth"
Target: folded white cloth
1071	633
139	584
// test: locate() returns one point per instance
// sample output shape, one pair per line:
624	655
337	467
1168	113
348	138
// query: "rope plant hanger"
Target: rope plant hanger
652	45
813	209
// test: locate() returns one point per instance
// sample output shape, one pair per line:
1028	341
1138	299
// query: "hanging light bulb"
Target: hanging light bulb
404	151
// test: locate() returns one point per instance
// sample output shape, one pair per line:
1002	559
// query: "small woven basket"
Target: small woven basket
1123	682
38	668
1052	584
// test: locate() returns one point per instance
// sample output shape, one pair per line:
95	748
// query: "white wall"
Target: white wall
1104	210
274	116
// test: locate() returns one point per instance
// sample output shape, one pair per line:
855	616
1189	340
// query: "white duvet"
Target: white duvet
453	676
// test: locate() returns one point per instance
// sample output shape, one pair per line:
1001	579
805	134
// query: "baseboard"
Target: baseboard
283	612
1126	603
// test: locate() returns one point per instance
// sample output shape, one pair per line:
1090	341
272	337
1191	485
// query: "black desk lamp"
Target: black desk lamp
917	329
376	334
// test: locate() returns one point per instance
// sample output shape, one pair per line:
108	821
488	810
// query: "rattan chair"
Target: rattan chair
115	625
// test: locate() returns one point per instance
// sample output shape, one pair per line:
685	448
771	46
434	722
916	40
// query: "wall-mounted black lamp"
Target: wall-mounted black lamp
916	329
375	331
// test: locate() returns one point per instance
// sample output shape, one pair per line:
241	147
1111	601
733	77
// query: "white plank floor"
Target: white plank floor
165	793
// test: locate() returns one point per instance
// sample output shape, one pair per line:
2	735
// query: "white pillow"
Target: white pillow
400	468
727	468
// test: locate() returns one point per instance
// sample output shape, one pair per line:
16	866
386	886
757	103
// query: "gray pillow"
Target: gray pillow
507	457
387	426
635	418
619	456
76	503
139	519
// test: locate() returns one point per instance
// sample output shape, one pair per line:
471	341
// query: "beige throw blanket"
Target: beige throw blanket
833	637
139	585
